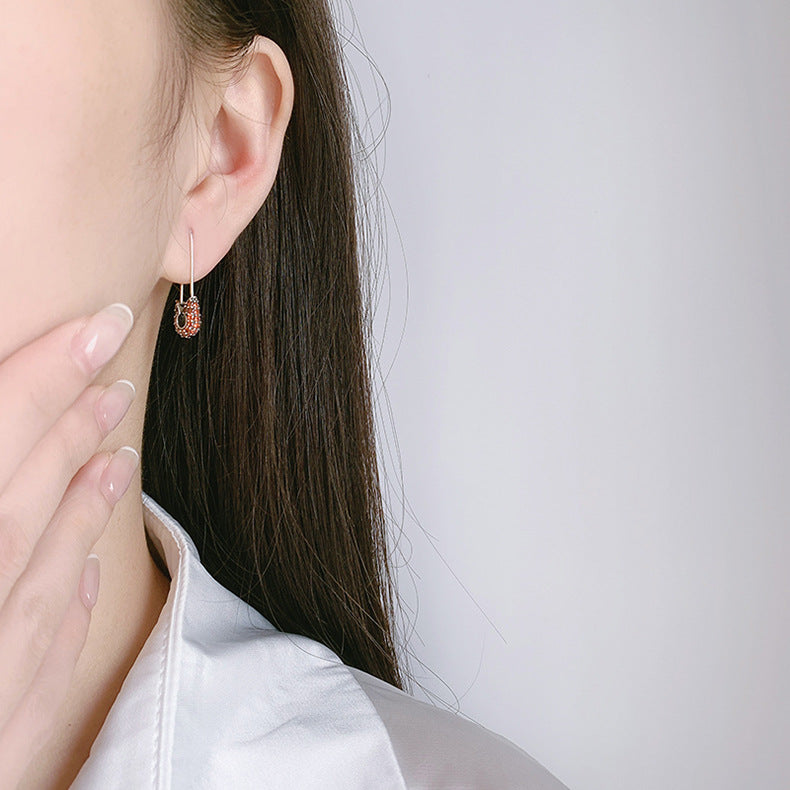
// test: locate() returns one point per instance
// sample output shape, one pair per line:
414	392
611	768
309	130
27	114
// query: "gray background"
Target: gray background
584	331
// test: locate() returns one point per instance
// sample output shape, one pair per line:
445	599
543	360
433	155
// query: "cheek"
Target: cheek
78	203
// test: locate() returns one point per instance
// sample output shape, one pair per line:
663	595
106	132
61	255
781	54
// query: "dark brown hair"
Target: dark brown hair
259	431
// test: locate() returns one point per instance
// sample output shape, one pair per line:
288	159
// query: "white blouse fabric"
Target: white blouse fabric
220	698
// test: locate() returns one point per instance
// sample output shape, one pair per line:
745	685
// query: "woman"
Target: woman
243	634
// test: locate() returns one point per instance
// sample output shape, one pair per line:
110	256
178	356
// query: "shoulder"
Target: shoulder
437	749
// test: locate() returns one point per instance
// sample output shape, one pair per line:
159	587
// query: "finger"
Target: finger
42	379
29	728
26	507
36	605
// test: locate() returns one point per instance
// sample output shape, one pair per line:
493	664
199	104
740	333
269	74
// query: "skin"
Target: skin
86	221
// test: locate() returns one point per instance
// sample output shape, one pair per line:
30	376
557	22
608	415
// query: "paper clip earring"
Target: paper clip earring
190	309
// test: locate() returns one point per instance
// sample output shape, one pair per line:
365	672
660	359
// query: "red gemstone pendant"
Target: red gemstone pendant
190	310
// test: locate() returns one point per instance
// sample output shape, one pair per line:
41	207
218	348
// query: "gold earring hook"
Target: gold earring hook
191	268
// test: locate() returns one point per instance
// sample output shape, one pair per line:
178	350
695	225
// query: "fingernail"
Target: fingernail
102	336
89	581
113	403
118	473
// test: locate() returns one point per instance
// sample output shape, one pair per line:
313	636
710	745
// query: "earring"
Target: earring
190	309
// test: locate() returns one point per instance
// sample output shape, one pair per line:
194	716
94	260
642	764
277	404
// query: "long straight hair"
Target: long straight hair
259	431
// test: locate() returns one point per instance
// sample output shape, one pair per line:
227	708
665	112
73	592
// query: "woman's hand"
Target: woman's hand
56	497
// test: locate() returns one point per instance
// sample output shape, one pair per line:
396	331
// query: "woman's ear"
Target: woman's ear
241	146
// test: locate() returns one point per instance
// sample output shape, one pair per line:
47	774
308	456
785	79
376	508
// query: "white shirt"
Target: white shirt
220	698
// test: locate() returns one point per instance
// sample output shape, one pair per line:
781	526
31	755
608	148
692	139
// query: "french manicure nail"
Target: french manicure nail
113	403
118	473
102	336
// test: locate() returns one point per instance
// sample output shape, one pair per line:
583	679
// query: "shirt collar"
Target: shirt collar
217	695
